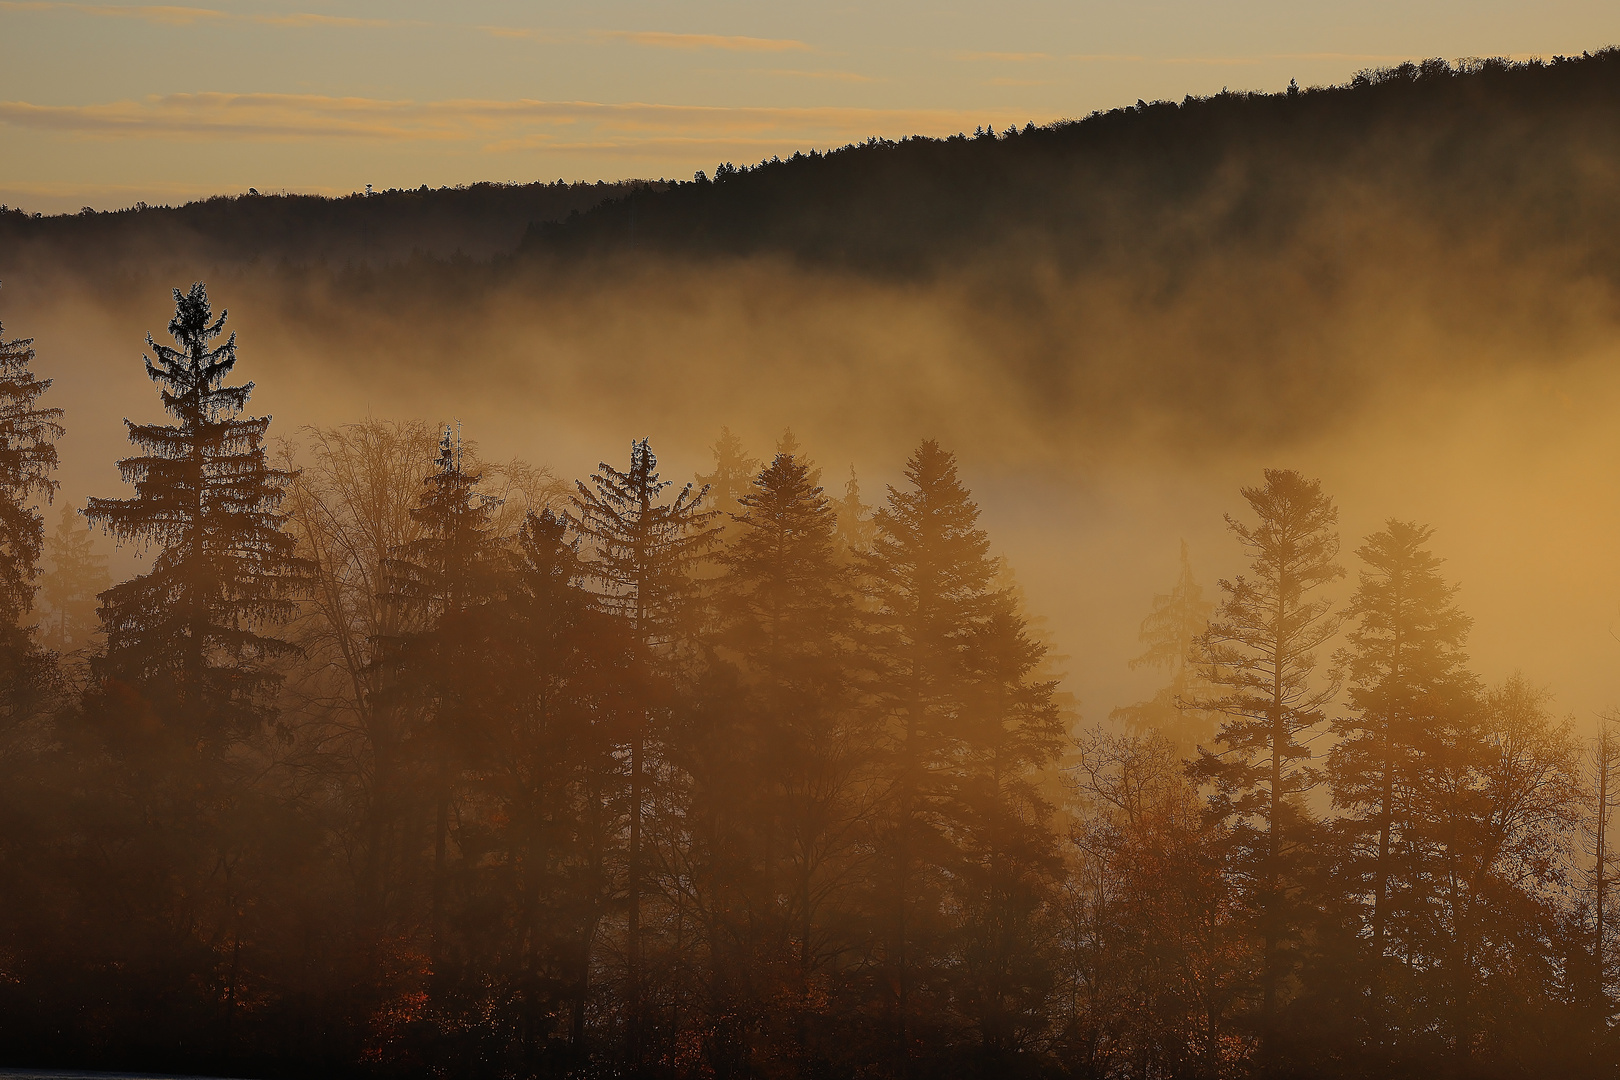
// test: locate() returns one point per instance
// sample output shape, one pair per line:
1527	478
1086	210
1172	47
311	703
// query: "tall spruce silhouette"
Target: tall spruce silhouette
1261	653
935	610
446	580
186	635
640	552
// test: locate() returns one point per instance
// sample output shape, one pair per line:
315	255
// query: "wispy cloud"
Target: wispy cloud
831	76
658	39
1003	57
496	126
1232	61
652	39
170	15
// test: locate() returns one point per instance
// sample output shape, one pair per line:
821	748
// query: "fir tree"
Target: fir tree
640	553
185	636
69	589
1261	653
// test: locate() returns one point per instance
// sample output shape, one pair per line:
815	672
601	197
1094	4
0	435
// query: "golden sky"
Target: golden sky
106	104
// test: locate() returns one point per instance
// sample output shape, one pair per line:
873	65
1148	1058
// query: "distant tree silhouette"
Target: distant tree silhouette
68	591
854	532
1170	631
733	471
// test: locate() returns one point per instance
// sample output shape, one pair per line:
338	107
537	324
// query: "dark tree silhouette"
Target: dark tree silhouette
640	553
185	637
447	580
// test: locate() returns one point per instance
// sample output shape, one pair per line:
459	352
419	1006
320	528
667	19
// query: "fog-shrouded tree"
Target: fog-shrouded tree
68	590
1169	631
733	472
963	845
552	780
639	551
188	638
181	692
447	580
787	613
1259	653
854	531
1404	667
1497	806
1149	933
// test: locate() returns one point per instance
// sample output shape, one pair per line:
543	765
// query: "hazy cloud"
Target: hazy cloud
169	15
832	76
500	125
660	40
1005	57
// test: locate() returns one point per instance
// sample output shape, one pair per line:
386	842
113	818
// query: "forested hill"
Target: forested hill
475	222
1532	149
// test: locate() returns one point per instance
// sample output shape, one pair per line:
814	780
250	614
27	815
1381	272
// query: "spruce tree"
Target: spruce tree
1260	653
640	552
1404	665
185	637
446	580
69	588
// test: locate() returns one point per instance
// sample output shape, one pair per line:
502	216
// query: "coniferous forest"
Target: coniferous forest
391	760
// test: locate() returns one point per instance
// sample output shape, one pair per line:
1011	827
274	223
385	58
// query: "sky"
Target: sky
104	105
